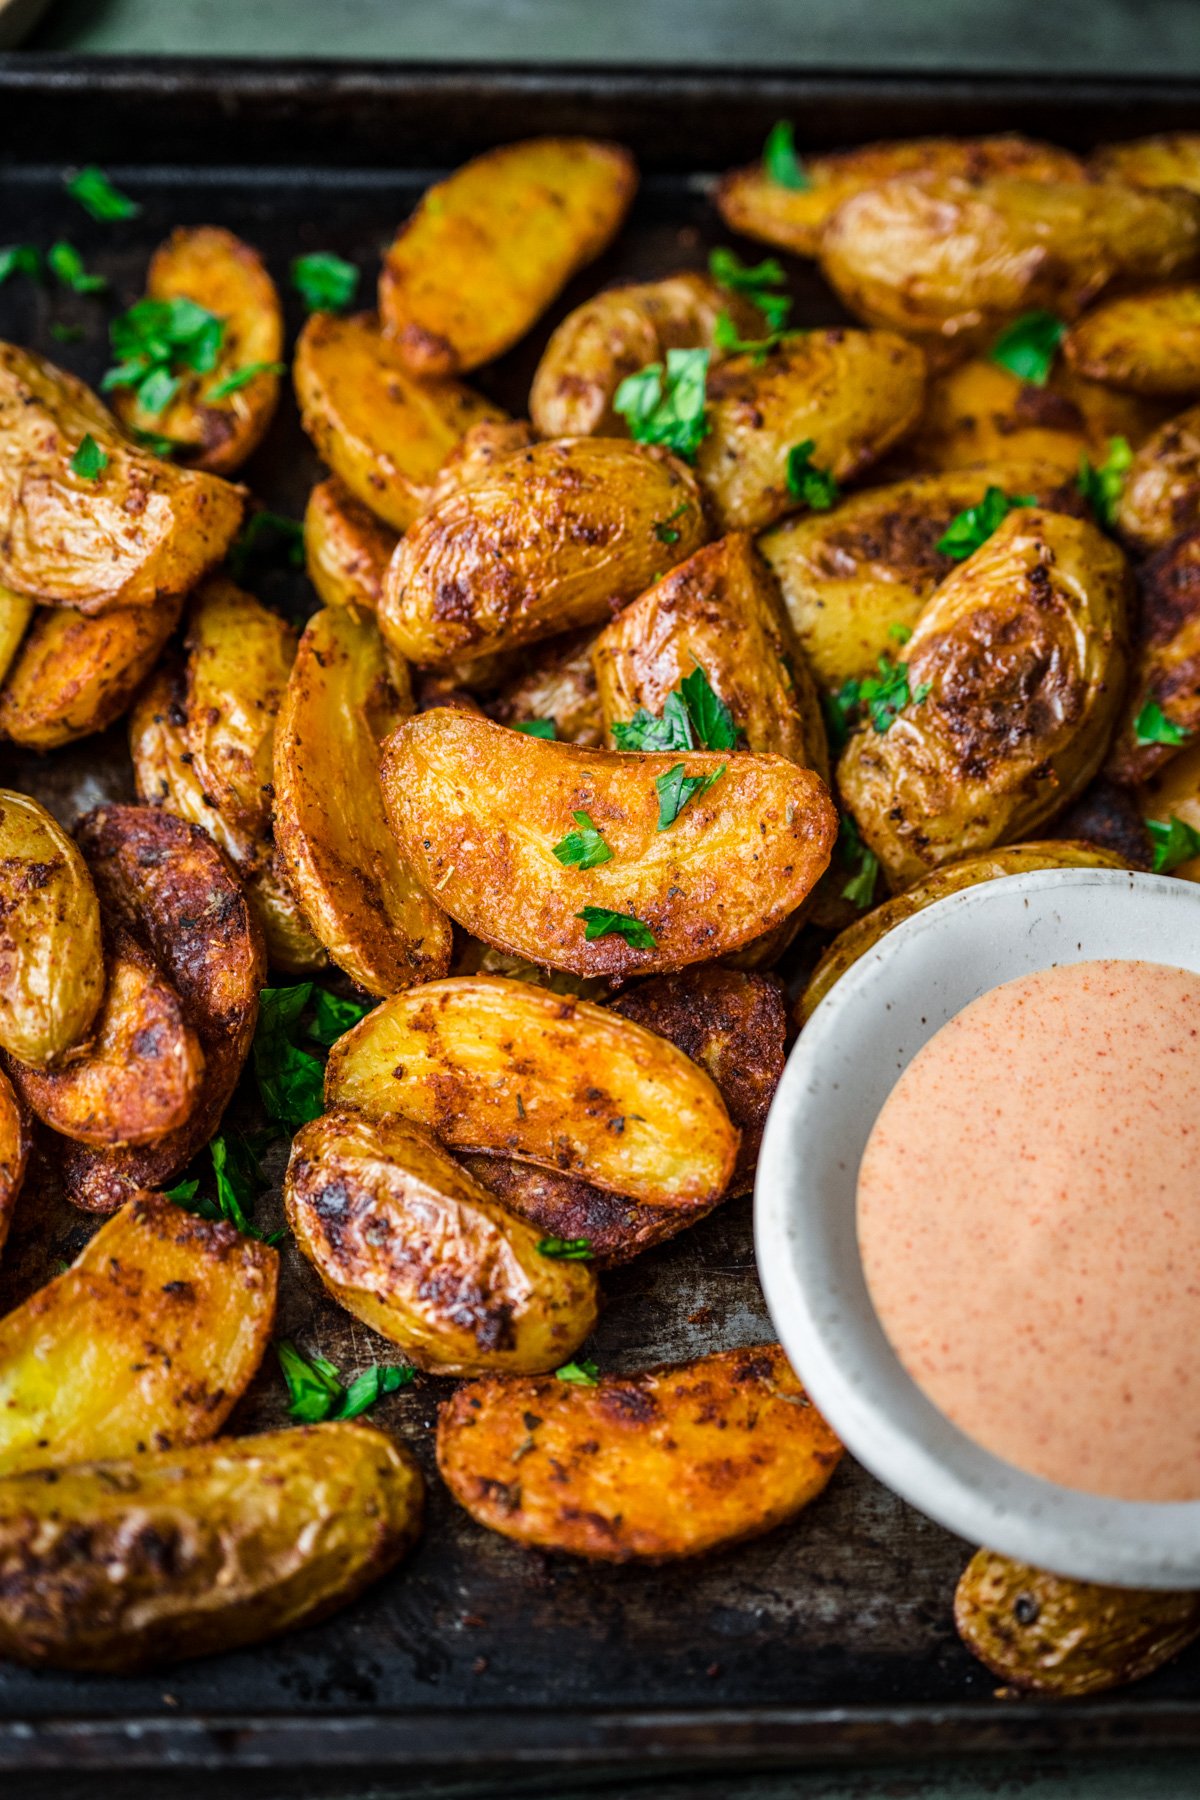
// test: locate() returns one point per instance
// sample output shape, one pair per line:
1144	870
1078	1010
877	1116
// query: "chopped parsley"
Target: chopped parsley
580	1374
863	863
333	1016
242	377
899	632
841	710
317	1392
756	283
725	337
539	728
816	487
1152	726
89	461
239	1183
1028	347
324	282
664	529
1102	487
779	160
19	259
291	1081
584	847
98	196
884	696
567	1249
973	526
153	441
667	406
1174	842
65	333
600	922
693	718
261	537
156	342
676	788
66	265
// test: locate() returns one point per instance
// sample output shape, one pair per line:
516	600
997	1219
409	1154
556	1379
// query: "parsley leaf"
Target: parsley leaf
725	337
676	788
242	377
89	461
1152	726
664	529
841	709
66	265
779	160
539	728
885	696
65	333
1028	347
668	408
155	342
333	1016
97	195
183	1191
153	441
693	718
864	864
567	1249
601	922
239	1181
263	534
1174	842
317	1391
324	282
585	847
816	487
899	632
581	1374
1102	487
19	259
974	525
727	268
710	718
290	1080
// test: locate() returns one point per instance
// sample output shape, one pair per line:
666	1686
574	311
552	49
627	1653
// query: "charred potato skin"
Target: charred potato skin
240	655
1149	342
669	1463
617	1228
111	1567
74	674
1167	660
1162	490
346	548
51	949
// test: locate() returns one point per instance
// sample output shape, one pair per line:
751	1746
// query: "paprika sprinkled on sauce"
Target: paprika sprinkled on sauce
1029	1222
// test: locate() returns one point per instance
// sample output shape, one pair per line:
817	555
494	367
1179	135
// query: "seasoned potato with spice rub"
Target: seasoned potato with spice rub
671	1462
503	1067
1161	496
15	1138
408	1242
1015	674
75	674
239	657
1169	159
147	1340
853	394
211	430
1049	1635
558	684
51	953
480	812
117	1566
477	452
16	610
555	538
487	250
346	548
1173	793
1166	665
384	434
617	1228
140	531
1147	342
354	884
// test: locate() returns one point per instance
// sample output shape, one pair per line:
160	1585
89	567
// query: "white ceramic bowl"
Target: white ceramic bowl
845	1064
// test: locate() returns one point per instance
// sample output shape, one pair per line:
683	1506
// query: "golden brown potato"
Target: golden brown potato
671	1462
795	218
51	955
219	272
354	884
487	250
480	812
852	394
620	331
346	548
719	611
1166	666
140	531
147	1341
617	1228
404	1239
239	657
1161	496
559	684
555	538
1015	673
1147	342
1171	793
477	452
1045	1633
15	1137
290	944
117	1566
75	674
501	1066
384	434
1170	159
16	610
170	885
472	957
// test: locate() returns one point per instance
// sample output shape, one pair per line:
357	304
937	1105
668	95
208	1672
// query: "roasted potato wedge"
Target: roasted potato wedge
15	1137
408	1242
1170	159
559	684
1149	343
1166	666
1014	676
117	1566
479	811
346	548
51	952
617	1228
74	674
501	1066
239	657
16	610
553	539
852	394
291	945
147	1340
670	1462
1161	496
487	250
1050	1635
477	452
140	531
719	611
169	884
357	891
227	277
1107	815
472	957
1173	792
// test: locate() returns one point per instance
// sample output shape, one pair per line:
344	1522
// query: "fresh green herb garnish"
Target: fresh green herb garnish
725	337
780	162
884	696
1174	842
710	718
324	282
263	534
1152	726
601	922
97	195
567	1249
899	632
860	889
65	333
20	259
318	1392
89	461
183	1191
693	718
333	1016
66	264
582	1374
1102	487
241	378
664	529
153	441
667	407
584	848
1028	347
539	728
290	1080
840	709
239	1181
676	788
973	526
755	282
816	487
156	342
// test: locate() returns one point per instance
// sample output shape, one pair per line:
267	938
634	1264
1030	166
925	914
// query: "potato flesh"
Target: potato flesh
1148	342
1166	666
14	1151
116	1566
16	610
240	655
1169	159
74	674
1161	496
346	548
51	954
504	1067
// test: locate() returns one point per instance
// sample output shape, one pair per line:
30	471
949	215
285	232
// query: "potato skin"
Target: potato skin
112	1567
1024	652
1045	1634
552	539
147	1340
408	1242
51	952
558	683
355	887
346	548
142	531
487	250
1149	343
16	611
477	452
217	270
74	674
1168	159
667	1463
1174	792
616	1227
501	1066
853	393
1166	666
15	1140
1162	490
239	657
478	811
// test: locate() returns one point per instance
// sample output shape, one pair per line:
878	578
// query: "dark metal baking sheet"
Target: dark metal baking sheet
831	1638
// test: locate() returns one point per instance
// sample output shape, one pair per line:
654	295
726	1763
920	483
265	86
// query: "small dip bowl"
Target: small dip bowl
848	1058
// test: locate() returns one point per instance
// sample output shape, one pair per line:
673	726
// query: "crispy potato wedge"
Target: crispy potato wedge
1108	816
620	331
227	277
1021	658
472	957
559	684
477	452
355	886
346	548
1173	792
487	250
1149	342
719	611
1169	159
617	1228
671	1462
852	394
15	1140
147	1340
168	883
498	1065
74	674
240	655
291	946
51	953
384	434
553	539
408	1242
1166	666
16	610
140	531
795	218
1044	1633
1161	496
117	1566
479	811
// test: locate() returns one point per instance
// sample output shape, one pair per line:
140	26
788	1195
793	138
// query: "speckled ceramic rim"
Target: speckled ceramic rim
848	1057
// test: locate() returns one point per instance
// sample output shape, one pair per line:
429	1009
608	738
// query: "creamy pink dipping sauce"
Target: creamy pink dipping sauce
1029	1222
